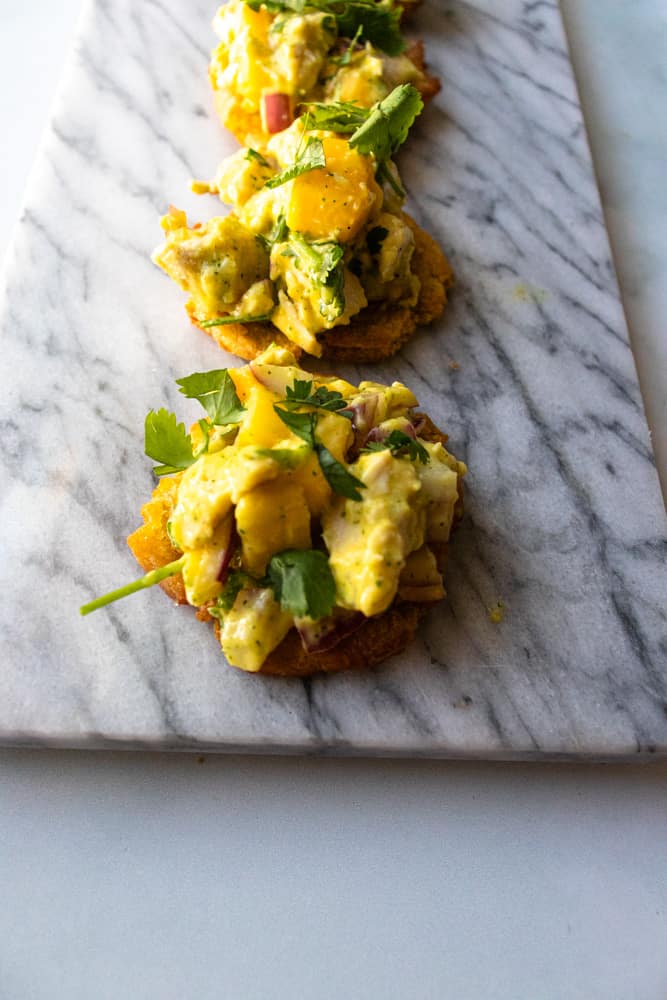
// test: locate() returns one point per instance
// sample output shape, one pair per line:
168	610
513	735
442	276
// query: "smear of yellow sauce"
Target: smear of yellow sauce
529	293
497	613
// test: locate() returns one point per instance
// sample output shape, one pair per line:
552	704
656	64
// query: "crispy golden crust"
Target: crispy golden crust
245	340
376	640
151	545
429	86
377	332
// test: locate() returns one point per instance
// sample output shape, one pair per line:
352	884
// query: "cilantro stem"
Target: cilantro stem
149	580
224	320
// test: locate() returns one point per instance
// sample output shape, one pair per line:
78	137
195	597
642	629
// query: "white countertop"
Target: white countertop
157	876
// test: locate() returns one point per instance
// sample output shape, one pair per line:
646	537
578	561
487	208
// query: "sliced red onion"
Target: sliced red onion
226	555
382	432
325	634
418	421
277	110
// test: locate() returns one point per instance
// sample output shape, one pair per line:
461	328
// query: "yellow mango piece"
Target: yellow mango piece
335	201
315	487
335	433
244	381
269	519
261	425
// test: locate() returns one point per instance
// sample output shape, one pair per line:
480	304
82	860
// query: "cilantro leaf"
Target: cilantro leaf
252	154
301	394
323	262
301	424
216	392
148	580
167	442
310	158
376	238
343	117
344	60
379	23
339	479
225	320
401	445
388	123
236	581
303	583
277	234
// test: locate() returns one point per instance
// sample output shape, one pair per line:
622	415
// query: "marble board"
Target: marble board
529	371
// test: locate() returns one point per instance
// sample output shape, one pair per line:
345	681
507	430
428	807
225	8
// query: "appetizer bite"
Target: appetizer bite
277	55
306	516
316	253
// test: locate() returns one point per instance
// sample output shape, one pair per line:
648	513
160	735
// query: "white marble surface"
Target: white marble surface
143	875
564	519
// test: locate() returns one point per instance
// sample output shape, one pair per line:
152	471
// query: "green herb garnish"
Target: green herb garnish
149	580
388	122
302	582
344	60
401	445
226	320
339	479
236	582
301	394
343	117
311	157
252	154
277	234
379	130
216	392
379	22
166	441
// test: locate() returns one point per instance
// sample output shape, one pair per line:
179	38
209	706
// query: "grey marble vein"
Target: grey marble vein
529	371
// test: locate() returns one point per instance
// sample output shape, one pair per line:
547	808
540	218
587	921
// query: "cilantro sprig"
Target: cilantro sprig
344	117
148	580
339	479
226	320
380	129
301	394
377	23
302	582
167	442
311	157
401	445
216	392
252	154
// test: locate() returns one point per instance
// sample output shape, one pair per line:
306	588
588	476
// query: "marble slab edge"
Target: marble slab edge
99	742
